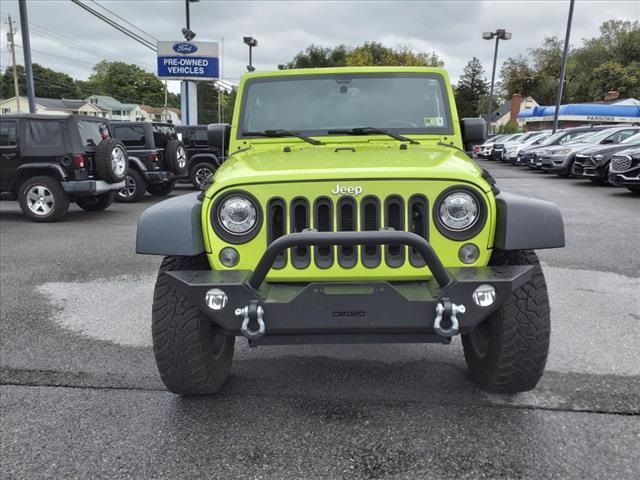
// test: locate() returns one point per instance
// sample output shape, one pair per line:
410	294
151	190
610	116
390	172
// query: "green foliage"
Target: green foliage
47	83
609	61
471	89
509	127
368	54
209	99
316	56
126	82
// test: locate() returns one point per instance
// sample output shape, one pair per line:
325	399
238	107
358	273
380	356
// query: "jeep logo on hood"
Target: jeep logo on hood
344	190
184	47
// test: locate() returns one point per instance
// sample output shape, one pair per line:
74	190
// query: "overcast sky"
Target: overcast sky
451	28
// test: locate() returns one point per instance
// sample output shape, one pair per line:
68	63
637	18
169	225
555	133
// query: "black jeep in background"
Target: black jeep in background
157	158
49	161
204	151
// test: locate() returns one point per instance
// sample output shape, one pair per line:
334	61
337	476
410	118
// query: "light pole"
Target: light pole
252	42
499	34
188	88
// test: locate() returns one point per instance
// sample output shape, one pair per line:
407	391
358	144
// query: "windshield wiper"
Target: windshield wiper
283	133
372	131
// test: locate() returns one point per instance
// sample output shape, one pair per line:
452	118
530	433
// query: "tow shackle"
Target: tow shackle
447	311
249	313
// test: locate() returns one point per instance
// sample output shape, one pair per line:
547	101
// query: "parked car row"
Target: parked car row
50	161
603	153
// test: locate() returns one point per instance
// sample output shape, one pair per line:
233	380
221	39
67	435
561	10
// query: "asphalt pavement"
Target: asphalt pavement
80	396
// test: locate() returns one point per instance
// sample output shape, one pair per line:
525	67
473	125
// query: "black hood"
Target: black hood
608	148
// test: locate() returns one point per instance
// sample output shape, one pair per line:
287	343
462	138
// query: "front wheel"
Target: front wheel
96	203
193	358
507	352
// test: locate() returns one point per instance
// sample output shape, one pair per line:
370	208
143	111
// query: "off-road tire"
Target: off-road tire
109	158
515	355
134	189
55	206
96	203
197	171
175	155
161	189
192	357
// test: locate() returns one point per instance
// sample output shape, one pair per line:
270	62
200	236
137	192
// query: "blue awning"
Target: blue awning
585	110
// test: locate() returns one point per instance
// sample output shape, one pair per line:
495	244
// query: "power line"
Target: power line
124	20
61	39
117	26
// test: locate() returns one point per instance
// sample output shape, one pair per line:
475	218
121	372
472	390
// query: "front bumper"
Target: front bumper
355	312
556	163
627	179
90	187
584	167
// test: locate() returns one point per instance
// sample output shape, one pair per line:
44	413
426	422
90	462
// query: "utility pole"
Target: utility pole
12	42
165	100
563	66
26	49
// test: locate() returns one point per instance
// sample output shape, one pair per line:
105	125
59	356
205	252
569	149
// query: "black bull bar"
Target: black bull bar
240	302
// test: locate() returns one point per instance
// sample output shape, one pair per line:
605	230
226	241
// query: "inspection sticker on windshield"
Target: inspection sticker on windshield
433	121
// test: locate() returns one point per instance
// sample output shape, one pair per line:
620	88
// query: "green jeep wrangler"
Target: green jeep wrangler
347	212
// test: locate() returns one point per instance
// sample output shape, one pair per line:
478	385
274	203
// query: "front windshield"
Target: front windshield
314	104
635	138
593	137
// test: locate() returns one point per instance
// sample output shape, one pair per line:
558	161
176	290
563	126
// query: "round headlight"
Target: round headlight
459	211
237	215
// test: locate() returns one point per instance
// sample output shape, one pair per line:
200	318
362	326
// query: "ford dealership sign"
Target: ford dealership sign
188	60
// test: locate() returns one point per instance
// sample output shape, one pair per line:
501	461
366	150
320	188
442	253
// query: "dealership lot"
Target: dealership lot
81	396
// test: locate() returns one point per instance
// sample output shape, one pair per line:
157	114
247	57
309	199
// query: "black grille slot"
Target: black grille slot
394	218
419	224
300	256
370	221
277	227
323	219
347	221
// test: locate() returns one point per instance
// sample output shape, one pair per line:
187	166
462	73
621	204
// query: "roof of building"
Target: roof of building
500	112
60	103
583	109
106	102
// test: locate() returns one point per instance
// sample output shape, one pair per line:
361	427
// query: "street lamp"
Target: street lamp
500	34
252	42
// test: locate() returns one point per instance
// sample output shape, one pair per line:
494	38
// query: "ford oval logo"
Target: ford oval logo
185	47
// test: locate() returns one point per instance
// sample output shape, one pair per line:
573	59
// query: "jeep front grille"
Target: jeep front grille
347	215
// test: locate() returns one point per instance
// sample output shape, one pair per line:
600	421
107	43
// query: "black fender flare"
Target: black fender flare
204	157
171	227
136	163
525	223
24	171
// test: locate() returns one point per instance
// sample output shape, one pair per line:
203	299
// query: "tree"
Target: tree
370	53
471	88
46	82
125	82
316	56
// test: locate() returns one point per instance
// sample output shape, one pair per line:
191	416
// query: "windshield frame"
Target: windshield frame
448	129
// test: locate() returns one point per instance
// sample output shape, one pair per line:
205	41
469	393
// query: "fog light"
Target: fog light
468	253
229	257
484	295
215	299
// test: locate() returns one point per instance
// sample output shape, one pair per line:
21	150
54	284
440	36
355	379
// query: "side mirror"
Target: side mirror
606	141
218	136
474	131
